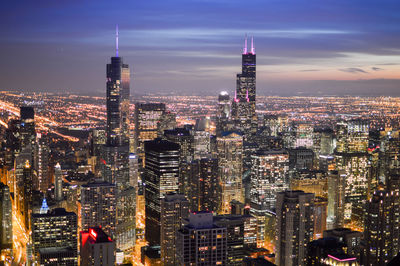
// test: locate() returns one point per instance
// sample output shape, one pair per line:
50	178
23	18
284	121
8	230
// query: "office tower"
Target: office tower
269	175
382	222
320	216
27	127
230	164
116	151
42	163
184	138
223	113
201	141
301	158
350	239
204	192
294	226
201	242
6	233
167	122
174	208
98	201
147	117
54	235
160	177
96	247
58	183
244	102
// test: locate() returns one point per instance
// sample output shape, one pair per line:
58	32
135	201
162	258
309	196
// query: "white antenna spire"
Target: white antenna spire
253	48
116	41
245	45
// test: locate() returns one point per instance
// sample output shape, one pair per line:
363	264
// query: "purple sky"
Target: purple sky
303	46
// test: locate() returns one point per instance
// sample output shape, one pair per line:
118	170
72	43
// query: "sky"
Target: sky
303	47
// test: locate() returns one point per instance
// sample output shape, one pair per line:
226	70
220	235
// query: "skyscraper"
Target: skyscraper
27	129
58	183
147	118
160	177
42	162
353	161
6	232
223	112
382	227
98	206
294	226
116	151
230	164
269	175
204	192
174	208
244	102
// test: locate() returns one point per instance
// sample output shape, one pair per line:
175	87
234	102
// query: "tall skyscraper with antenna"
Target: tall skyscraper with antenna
116	151
244	102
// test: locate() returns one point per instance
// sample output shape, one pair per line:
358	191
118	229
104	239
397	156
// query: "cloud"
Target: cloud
309	70
353	70
376	68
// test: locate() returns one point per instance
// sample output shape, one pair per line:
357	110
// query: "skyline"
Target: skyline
338	48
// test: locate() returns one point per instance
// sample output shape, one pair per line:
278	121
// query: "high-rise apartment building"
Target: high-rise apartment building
204	192
382	227
269	175
98	207
294	226
161	177
201	242
352	160
174	208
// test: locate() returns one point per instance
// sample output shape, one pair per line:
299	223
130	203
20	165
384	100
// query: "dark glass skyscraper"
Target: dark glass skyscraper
161	177
116	151
244	103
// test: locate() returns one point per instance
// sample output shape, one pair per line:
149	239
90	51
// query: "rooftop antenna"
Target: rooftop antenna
245	45
253	48
116	41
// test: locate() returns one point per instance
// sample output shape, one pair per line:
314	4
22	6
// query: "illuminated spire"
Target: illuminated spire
245	45
116	41
253	48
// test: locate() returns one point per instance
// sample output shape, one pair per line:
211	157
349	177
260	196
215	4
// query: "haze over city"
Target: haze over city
304	47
